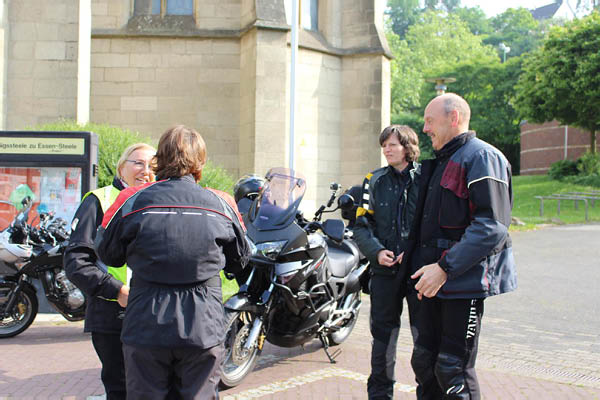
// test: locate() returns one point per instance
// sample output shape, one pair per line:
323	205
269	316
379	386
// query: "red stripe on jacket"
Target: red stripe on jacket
121	199
130	191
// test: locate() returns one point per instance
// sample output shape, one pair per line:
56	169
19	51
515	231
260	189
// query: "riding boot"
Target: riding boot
423	362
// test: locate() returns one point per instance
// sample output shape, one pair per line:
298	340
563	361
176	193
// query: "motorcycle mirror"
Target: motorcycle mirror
26	201
334	186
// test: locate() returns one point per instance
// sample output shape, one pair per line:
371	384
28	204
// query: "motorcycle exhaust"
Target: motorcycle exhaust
353	283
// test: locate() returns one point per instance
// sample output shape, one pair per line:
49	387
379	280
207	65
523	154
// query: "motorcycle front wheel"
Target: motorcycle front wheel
238	361
22	314
351	300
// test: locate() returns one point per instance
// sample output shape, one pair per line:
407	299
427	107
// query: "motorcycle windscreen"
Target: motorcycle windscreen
278	202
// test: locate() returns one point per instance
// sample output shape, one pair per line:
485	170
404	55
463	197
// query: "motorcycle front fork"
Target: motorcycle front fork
12	297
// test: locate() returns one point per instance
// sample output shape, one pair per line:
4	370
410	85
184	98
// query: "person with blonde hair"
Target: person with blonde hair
103	284
176	237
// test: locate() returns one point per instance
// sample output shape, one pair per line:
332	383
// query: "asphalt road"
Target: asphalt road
558	272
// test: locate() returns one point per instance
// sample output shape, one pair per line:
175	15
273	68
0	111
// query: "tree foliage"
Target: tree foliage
517	29
489	88
476	20
561	80
433	45
402	14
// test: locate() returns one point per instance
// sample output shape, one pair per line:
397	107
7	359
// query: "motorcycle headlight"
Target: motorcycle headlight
285	278
270	250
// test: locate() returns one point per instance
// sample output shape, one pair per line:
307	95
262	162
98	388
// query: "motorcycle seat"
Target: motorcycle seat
342	258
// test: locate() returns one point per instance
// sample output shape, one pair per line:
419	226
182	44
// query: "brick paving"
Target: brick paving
56	360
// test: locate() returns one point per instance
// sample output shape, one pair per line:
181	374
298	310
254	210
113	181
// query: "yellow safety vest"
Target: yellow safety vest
107	195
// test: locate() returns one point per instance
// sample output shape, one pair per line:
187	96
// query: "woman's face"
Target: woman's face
137	170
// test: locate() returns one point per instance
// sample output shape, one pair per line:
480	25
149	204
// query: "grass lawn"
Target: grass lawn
527	207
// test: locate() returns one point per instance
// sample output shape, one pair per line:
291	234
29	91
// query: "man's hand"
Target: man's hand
387	259
123	296
431	278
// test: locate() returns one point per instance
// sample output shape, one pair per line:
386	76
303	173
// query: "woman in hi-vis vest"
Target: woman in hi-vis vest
103	284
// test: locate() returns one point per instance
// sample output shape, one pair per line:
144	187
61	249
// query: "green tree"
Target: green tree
517	29
402	14
406	80
405	13
561	80
489	88
440	40
433	45
476	20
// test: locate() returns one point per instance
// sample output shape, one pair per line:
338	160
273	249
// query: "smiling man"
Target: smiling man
463	252
383	222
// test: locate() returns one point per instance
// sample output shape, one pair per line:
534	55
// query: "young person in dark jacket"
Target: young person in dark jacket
463	251
176	237
101	284
383	222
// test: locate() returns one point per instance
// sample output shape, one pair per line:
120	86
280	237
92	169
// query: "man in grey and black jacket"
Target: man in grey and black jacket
463	251
383	223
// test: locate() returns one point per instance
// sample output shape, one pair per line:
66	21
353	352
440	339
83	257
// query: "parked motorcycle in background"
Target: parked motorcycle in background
302	281
34	252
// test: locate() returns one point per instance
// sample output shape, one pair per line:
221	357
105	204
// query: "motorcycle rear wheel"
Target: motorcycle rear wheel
23	313
238	362
340	336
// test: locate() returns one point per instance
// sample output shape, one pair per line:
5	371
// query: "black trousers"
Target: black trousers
387	294
162	373
108	348
445	348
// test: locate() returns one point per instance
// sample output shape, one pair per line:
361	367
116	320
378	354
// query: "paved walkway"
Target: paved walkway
536	343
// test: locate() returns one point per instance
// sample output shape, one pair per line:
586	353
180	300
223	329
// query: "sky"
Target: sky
493	7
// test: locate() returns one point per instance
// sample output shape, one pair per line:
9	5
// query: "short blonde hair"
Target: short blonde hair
127	153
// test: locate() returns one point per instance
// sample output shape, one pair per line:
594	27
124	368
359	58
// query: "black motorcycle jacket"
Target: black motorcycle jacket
175	236
80	266
463	216
378	223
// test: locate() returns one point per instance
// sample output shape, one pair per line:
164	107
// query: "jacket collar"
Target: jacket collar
407	172
117	183
454	144
187	178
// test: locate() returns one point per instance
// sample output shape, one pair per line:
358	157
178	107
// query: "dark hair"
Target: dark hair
181	151
407	138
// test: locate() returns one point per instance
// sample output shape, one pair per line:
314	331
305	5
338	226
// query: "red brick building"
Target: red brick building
541	145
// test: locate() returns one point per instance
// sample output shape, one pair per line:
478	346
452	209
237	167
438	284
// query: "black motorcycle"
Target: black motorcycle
34	252
302	281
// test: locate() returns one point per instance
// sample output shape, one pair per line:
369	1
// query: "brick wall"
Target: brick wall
544	144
